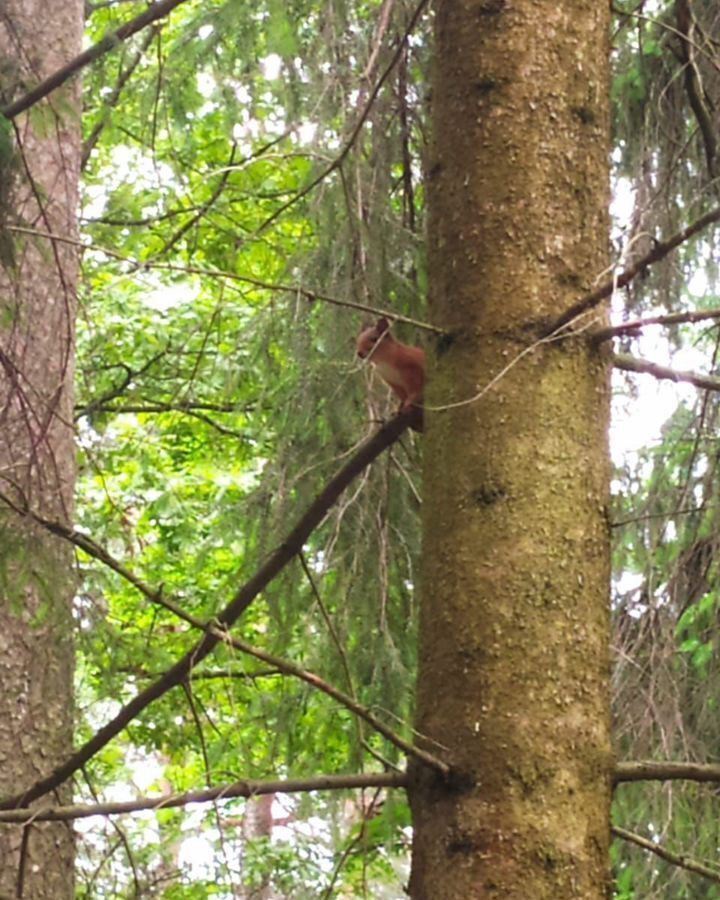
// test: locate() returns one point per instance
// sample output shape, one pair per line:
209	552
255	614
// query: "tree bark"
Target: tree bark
37	311
514	659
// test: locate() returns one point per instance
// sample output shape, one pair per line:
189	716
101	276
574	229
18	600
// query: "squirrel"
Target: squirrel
399	365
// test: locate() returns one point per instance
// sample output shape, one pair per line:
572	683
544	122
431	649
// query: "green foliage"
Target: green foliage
216	395
214	400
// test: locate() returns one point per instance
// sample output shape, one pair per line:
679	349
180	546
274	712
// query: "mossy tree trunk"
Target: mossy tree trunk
37	309
514	659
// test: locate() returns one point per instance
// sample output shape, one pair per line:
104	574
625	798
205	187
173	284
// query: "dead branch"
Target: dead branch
677	318
650	770
109	42
152	407
209	795
684	862
647	367
625	771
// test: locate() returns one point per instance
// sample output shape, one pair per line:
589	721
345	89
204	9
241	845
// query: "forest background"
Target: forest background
254	188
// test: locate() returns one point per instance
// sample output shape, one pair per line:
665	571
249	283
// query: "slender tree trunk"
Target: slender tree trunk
37	310
513	679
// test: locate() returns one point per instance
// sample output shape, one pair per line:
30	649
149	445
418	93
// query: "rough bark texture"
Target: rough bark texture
513	682
37	310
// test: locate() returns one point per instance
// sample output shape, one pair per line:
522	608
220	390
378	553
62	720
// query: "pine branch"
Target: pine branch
224	792
357	127
344	699
306	293
659	251
647	367
678	318
683	862
109	42
277	561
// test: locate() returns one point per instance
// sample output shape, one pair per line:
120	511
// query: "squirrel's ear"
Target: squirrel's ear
382	324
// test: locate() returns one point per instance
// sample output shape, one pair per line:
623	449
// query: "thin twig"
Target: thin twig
219	634
110	102
650	770
347	701
309	295
678	318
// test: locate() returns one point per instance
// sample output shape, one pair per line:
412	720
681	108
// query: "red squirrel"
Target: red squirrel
399	365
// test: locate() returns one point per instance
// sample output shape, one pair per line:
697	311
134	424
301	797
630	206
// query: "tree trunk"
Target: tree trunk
37	310
514	659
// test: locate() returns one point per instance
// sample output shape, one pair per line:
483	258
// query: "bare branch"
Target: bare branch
129	376
109	42
649	770
209	795
659	251
211	629
151	407
677	318
625	771
96	551
647	367
684	862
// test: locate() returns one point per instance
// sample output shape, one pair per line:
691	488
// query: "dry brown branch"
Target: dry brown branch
649	770
209	795
684	862
678	318
110	41
647	367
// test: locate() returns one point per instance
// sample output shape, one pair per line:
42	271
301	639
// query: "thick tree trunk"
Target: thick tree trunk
513	680
37	298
